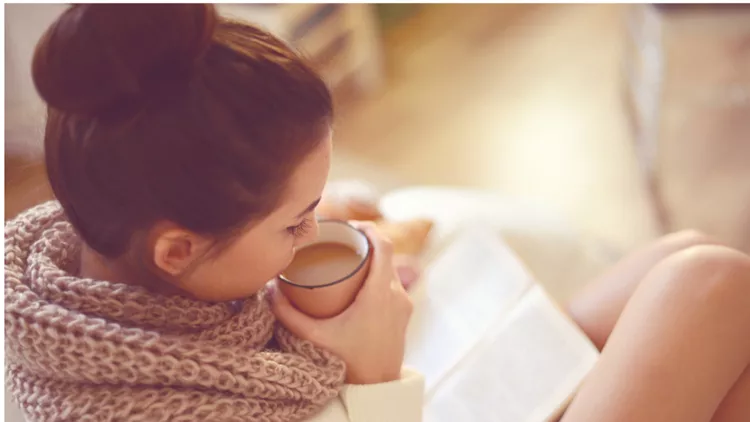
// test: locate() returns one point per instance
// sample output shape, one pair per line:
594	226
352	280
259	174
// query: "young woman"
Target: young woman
187	154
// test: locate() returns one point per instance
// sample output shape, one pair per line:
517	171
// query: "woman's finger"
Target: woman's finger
290	317
381	268
408	269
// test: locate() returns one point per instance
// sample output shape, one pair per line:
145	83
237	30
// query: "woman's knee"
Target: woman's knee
684	239
708	272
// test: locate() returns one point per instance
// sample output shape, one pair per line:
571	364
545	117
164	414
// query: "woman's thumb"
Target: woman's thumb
291	318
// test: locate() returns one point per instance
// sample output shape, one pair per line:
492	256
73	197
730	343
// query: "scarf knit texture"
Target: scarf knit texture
79	349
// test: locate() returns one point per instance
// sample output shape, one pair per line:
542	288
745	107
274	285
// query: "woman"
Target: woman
187	154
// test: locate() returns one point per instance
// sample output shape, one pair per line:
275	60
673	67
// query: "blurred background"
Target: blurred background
628	120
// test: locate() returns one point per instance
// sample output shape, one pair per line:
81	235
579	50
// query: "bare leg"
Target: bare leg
680	350
735	407
598	307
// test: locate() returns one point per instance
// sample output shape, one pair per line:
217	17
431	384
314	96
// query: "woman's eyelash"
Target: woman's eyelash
300	229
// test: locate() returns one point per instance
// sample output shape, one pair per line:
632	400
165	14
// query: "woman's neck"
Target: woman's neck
98	267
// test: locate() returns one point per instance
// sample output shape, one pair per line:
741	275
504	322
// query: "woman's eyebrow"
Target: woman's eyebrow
309	208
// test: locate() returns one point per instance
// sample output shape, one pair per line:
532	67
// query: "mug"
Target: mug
326	274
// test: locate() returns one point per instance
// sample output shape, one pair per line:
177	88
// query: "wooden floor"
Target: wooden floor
25	185
521	99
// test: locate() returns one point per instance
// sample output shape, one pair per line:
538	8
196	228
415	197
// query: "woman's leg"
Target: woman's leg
681	348
598	307
736	405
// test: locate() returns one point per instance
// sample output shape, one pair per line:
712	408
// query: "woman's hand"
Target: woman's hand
408	269
370	335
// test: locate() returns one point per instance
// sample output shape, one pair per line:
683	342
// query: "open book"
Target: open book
491	343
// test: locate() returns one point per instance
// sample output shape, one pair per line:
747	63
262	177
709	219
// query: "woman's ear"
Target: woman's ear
176	250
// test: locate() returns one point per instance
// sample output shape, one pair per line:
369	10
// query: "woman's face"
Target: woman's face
266	249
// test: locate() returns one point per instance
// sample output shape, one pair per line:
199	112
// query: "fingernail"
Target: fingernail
407	275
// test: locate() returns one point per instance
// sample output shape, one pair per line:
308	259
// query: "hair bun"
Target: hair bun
96	55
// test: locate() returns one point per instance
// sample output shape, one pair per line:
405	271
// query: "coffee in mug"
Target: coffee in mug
320	263
326	275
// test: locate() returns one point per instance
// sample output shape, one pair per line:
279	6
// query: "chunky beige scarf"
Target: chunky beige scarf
86	350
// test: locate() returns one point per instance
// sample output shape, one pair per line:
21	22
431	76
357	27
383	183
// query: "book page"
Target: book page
525	369
461	297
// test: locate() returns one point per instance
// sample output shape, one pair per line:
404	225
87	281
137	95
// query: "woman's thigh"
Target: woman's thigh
736	405
680	345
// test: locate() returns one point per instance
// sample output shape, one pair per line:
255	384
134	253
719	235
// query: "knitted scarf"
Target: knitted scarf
88	350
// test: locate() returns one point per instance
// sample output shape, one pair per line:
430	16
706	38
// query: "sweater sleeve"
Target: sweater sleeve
397	401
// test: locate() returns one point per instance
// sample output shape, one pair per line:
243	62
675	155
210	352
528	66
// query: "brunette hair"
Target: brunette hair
169	112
